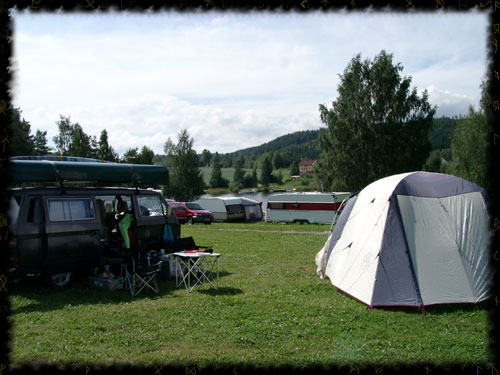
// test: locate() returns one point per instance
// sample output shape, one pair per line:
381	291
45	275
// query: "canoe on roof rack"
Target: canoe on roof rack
72	171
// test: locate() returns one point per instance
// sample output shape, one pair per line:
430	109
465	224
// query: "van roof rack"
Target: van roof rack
22	170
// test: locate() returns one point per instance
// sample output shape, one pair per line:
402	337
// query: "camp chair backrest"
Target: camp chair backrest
186	243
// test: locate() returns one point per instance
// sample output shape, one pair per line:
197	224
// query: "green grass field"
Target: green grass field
270	310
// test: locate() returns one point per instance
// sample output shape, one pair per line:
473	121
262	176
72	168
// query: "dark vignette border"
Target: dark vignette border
102	6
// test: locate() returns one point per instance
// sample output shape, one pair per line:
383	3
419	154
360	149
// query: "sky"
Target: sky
233	80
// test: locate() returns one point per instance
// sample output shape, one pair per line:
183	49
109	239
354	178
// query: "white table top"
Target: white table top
195	255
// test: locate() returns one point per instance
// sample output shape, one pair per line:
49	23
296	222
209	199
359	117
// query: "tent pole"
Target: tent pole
336	214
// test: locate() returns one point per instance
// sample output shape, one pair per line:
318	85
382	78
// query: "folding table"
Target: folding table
196	267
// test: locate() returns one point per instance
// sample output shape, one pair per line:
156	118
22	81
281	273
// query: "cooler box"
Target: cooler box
167	270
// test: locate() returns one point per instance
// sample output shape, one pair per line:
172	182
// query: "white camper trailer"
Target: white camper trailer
233	208
319	208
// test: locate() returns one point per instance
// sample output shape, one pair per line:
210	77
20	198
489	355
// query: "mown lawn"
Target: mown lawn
270	310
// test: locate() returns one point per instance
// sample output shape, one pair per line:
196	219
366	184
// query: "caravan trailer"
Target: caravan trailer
233	208
318	208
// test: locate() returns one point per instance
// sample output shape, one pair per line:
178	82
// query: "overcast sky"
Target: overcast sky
233	80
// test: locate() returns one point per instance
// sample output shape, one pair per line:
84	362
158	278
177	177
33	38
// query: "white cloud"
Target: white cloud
233	80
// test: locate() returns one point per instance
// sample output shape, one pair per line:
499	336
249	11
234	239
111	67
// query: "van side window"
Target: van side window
71	209
35	212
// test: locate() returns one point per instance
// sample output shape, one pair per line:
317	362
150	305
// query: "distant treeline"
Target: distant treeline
284	152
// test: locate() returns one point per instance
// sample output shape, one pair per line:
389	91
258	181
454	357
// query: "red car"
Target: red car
188	212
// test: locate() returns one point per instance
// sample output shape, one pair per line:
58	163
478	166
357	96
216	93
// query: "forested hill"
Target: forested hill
302	145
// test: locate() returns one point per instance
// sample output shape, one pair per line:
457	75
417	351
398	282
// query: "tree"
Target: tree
40	146
73	141
470	142
20	139
279	161
205	158
254	179
469	149
80	144
376	127
216	179
186	180
146	156
294	168
227	162
266	173
239	173
434	162
105	151
63	139
131	156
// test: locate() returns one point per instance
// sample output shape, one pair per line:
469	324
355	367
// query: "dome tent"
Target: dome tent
412	239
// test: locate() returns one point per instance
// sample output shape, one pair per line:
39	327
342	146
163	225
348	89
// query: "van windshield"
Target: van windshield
150	206
194	206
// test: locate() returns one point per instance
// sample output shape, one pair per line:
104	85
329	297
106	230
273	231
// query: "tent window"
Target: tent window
234	208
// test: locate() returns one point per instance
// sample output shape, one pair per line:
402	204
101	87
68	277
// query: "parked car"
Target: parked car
189	212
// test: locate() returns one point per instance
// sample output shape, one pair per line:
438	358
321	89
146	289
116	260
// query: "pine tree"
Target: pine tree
20	141
216	179
105	151
239	173
40	143
267	170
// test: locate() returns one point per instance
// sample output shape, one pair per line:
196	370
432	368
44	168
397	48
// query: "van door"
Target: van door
31	239
151	222
73	233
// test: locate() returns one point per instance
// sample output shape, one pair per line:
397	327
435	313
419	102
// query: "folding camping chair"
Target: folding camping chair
141	273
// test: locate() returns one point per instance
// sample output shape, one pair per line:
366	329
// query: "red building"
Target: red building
306	167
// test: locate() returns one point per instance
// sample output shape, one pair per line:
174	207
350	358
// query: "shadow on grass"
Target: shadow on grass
221	291
43	298
438	309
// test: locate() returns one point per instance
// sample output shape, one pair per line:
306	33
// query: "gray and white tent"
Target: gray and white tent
412	239
233	208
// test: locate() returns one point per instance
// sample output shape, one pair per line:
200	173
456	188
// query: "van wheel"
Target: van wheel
58	279
190	220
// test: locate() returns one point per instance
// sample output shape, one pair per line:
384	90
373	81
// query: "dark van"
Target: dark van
57	231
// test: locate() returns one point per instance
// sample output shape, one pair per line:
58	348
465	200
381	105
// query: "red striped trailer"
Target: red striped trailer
319	208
